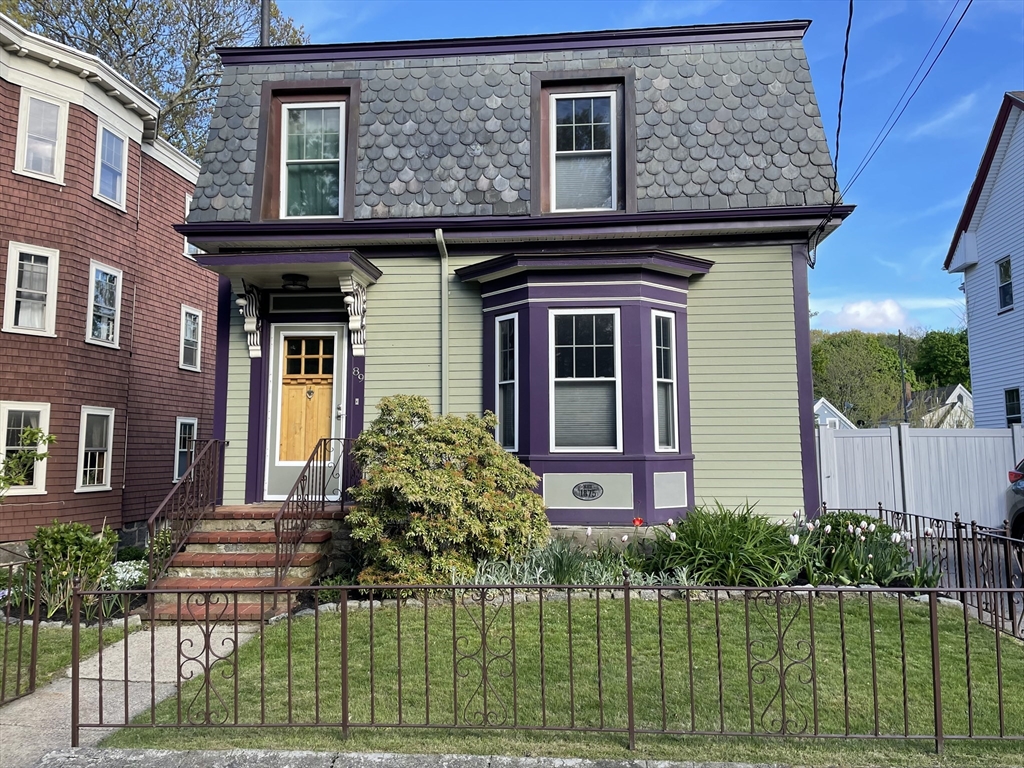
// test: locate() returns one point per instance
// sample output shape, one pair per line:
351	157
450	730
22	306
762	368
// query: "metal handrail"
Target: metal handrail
188	502
309	496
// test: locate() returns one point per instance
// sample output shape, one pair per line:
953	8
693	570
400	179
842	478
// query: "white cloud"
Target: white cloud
661	12
881	69
939	124
865	315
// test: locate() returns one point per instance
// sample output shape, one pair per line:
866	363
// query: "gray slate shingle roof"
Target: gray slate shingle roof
718	126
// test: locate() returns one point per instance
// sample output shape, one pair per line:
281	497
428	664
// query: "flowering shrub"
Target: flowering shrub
69	551
123	575
439	494
726	547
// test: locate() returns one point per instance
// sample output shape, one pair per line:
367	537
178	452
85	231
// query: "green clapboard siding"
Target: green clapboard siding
465	342
237	427
743	385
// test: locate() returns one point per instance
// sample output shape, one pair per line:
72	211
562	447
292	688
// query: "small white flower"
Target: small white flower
794	539
862	538
796	514
670	521
871	557
810	527
625	538
863	524
828	529
672	536
871	528
896	538
589	532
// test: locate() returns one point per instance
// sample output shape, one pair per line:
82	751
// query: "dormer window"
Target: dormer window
312	158
583	163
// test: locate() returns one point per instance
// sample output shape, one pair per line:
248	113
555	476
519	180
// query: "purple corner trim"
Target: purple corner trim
804	381
560	41
514	263
255	459
220	393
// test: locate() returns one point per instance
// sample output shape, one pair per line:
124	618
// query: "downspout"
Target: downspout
442	250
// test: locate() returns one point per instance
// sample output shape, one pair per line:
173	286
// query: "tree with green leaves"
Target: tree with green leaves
165	47
942	359
858	374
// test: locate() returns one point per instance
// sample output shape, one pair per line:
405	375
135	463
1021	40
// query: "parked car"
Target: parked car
1015	501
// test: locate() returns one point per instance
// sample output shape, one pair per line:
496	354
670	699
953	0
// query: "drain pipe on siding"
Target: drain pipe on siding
442	250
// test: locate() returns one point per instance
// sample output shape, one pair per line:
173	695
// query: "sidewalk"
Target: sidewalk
41	722
158	758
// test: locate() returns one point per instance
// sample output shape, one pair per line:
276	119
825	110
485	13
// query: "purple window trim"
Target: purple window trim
220	392
804	381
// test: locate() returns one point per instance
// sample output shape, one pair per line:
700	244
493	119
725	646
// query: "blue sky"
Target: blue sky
883	269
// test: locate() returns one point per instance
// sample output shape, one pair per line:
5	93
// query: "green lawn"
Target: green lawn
54	654
558	685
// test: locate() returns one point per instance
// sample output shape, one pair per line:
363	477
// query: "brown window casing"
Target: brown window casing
543	86
267	183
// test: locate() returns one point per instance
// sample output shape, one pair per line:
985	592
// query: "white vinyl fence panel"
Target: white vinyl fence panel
930	472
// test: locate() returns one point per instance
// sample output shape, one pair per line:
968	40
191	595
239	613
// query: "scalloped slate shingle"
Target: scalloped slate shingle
718	126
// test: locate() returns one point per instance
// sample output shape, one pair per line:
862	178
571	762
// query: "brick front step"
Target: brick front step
253	542
240	559
269	512
219	613
184	584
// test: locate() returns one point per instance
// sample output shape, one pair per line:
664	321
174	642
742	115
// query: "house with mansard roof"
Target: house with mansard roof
602	237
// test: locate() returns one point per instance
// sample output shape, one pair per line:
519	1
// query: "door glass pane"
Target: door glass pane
328	346
312	346
311	366
293	366
294	346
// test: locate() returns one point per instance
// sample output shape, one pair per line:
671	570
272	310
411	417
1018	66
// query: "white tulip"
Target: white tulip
590	531
625	538
670	521
810	527
672	536
828	529
871	528
794	539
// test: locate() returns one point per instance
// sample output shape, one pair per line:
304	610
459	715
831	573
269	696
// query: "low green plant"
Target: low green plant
160	546
132	553
16	466
723	547
70	551
438	495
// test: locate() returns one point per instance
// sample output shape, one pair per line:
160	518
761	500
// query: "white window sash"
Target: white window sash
178	450
1000	283
612	152
552	314
22	141
285	109
112	343
14	252
118	201
188	250
658	447
95	458
182	340
38	486
498	381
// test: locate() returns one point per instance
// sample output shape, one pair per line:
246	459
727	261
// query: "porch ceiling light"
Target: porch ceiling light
295	282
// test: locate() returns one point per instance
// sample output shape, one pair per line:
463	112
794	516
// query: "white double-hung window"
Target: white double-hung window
586	393
104	316
95	441
1004	277
507	377
312	159
42	136
665	380
583	141
15	418
111	166
185	428
191	338
30	304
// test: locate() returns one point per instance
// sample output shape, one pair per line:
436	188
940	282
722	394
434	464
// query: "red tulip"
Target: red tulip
638	521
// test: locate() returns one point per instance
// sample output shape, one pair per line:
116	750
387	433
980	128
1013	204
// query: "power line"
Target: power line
869	157
815	236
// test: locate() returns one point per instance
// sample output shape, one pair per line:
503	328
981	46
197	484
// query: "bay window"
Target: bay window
586	412
664	380
506	344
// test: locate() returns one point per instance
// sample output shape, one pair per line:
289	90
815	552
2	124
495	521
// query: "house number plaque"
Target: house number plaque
588	491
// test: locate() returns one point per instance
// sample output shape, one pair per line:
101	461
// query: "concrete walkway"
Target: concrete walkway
41	722
158	758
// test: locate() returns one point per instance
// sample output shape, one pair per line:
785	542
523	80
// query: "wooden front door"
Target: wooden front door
307	395
306	400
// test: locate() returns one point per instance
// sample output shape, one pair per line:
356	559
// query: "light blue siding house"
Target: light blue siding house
988	249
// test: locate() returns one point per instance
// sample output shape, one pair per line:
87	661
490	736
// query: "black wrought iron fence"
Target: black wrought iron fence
19	625
637	661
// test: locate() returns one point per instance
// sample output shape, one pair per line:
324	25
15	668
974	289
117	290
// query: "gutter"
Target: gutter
442	250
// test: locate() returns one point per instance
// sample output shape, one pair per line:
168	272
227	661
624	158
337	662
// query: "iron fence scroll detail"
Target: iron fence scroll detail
483	655
780	662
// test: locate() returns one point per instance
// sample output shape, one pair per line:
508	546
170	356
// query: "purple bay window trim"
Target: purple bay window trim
804	382
536	264
562	41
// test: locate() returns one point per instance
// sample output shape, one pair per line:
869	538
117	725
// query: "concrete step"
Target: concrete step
307	572
260	518
225	542
181	585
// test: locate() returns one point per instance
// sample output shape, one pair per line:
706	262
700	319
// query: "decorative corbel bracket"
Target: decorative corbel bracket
248	303
355	300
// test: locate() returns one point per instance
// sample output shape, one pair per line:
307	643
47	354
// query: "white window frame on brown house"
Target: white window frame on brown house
185	312
84	466
94	267
118	200
11	298
60	137
38	485
187	452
